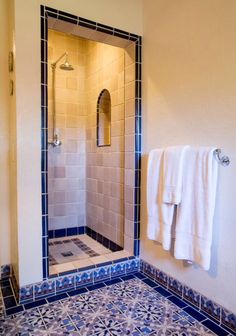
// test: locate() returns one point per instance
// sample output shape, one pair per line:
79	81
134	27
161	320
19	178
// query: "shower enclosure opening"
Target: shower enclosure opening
86	174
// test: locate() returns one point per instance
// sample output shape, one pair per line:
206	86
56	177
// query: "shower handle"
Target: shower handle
55	142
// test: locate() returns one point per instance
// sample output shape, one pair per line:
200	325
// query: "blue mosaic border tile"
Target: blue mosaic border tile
35	293
46	12
204	305
5	271
76	279
186	308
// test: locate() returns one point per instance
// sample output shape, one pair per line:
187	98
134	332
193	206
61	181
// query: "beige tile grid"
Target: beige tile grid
94	63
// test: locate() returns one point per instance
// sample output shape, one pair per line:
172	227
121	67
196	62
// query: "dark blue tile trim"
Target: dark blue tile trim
35	304
57	297
127	277
113	281
215	328
48	11
14	310
78	291
96	286
9	302
162	291
140	275
177	301
150	282
194	313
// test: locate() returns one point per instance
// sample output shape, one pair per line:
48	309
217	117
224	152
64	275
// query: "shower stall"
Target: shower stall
86	151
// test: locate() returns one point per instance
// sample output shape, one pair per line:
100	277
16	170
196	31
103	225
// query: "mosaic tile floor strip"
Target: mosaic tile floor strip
129	305
63	250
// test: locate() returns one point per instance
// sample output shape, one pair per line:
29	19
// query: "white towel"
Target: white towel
173	163
171	189
194	219
158	212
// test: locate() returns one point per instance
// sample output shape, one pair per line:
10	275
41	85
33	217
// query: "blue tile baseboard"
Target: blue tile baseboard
188	313
5	271
76	279
74	231
199	303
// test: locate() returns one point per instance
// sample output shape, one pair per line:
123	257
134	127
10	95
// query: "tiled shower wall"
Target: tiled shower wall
66	174
105	165
86	182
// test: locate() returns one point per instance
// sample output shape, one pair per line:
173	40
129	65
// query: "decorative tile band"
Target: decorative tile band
5	271
78	279
202	303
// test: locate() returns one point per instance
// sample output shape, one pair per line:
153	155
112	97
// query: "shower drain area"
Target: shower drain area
68	253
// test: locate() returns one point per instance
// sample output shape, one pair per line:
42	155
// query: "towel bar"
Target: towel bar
223	160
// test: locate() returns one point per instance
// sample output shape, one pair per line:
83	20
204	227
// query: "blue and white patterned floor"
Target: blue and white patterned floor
130	307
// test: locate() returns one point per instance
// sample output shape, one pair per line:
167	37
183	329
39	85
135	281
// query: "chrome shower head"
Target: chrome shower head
65	66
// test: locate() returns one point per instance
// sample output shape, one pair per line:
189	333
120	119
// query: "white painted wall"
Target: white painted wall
122	14
4	138
189	82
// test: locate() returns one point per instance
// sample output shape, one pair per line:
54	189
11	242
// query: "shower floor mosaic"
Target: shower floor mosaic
128	305
80	251
63	250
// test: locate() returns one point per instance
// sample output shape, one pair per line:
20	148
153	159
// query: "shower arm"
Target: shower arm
55	139
54	64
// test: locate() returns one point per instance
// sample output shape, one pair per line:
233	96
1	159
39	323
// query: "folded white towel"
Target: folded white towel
153	181
194	218
171	189
173	164
158	212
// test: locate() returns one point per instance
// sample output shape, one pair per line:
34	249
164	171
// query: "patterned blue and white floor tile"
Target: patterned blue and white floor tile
128	307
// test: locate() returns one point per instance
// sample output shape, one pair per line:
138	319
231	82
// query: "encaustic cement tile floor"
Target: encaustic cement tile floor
130	305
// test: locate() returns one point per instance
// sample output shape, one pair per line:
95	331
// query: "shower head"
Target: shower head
66	66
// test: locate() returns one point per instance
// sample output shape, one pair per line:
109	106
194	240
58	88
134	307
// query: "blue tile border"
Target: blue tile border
198	306
57	287
77	279
85	285
46	12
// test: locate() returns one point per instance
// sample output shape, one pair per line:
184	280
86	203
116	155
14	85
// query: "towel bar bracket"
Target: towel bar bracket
223	160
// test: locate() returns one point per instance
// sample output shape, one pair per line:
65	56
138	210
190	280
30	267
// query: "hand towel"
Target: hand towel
158	212
194	218
173	163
